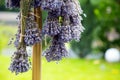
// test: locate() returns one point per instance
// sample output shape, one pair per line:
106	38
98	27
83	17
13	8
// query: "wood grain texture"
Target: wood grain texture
37	49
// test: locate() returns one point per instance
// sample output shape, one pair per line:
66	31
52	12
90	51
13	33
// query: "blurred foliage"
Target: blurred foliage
3	8
81	69
103	16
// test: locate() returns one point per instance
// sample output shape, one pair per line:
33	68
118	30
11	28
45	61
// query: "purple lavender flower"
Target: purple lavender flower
56	51
20	61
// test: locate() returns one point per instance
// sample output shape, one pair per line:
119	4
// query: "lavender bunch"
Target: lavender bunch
56	51
72	11
70	28
32	32
20	61
52	26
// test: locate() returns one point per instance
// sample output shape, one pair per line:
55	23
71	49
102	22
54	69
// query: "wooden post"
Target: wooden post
37	49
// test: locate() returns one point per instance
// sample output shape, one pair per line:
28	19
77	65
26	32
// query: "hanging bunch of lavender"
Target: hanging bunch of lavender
52	26
56	51
63	24
71	11
20	60
32	32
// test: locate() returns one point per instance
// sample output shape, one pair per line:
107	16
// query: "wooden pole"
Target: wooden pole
37	49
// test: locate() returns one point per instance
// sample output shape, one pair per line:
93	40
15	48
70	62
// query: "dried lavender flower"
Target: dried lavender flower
20	61
56	51
32	32
52	26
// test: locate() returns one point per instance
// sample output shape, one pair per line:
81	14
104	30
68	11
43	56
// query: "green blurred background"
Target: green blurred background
86	61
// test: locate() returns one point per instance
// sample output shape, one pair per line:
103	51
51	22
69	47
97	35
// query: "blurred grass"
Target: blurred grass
67	69
6	32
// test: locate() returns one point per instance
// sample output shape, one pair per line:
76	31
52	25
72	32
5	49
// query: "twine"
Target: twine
21	37
31	14
34	15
